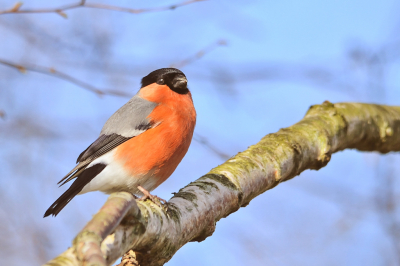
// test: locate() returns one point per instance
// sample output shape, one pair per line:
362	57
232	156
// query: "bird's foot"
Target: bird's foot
129	259
155	199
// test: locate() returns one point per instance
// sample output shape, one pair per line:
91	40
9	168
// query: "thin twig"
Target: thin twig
199	54
203	141
60	10
50	71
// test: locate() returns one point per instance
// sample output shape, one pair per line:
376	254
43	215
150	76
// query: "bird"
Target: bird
140	145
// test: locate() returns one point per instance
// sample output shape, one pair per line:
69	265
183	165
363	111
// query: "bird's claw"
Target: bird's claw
129	259
155	199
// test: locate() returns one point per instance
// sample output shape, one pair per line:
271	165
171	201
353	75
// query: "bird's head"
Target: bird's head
172	77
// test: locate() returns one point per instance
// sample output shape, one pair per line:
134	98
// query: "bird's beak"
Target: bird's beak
180	83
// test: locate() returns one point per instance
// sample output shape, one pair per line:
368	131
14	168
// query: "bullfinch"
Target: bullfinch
140	145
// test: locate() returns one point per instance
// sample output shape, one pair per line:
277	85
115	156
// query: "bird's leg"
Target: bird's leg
147	195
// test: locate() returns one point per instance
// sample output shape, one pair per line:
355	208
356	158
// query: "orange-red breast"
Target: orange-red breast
140	145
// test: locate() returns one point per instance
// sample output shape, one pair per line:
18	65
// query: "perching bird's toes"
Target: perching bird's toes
155	199
129	259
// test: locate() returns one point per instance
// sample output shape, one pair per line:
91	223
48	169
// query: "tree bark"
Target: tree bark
156	233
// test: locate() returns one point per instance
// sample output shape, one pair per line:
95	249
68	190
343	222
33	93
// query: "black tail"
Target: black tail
83	179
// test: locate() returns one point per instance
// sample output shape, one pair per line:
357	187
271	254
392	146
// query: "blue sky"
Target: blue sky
281	57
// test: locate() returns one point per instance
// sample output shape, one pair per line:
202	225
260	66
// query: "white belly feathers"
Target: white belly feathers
114	178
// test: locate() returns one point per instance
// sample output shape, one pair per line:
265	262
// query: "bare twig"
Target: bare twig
60	10
204	141
50	71
199	54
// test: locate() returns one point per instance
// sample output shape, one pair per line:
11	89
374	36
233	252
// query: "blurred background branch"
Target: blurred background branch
60	10
50	71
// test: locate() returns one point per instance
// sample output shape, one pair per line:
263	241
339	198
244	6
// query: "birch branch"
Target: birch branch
155	234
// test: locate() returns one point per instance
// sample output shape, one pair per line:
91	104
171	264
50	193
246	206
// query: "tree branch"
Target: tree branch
155	234
60	10
50	71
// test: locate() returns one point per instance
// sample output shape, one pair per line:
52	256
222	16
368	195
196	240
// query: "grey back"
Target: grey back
131	119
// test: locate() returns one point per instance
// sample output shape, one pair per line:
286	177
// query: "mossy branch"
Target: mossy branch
155	234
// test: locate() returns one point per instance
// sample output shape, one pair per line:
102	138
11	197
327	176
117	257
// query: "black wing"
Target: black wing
102	145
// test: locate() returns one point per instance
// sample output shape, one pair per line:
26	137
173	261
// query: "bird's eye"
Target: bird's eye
160	82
